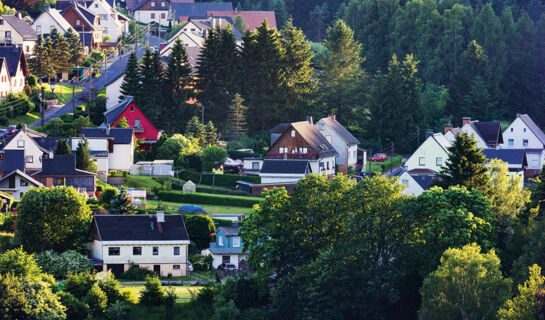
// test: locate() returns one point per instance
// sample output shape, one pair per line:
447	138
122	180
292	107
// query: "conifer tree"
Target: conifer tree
121	203
41	63
62	147
152	97
178	83
76	50
237	117
132	79
465	166
83	157
60	53
210	135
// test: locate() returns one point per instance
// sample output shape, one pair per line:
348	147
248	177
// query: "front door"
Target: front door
157	269
117	269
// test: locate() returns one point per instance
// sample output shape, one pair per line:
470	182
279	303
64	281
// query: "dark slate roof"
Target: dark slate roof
63	4
341	131
140	228
533	127
280	128
285	166
511	156
12	54
422	172
425	181
24	176
13	160
230	231
198	9
86	38
112	114
120	135
490	131
314	138
22	27
61	165
49	143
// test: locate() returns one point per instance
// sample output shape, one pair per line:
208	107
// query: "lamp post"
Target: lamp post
42	107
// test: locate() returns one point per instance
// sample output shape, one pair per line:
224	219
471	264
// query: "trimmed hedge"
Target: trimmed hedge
178	184
205	198
225	180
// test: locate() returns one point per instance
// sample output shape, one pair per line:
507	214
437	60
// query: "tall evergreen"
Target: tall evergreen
75	47
262	55
132	79
41	62
342	79
62	147
219	74
179	86
300	85
83	157
60	52
236	123
151	98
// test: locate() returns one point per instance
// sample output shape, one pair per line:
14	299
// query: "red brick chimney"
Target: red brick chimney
466	120
331	116
448	127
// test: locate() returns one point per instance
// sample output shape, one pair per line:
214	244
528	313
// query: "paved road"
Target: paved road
113	71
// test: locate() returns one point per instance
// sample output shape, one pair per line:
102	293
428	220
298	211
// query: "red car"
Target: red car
379	157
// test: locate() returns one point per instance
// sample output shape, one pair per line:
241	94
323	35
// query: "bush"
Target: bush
110	286
201	263
97	301
153	294
225	180
205	198
59	265
129	295
79	284
107	196
136	273
212	155
117	311
199	227
75	309
32	80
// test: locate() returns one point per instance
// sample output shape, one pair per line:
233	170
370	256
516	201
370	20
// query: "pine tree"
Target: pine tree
62	147
210	135
300	87
121	203
151	99
342	79
239	23
178	83
41	62
83	157
132	79
237	117
61	50
465	166
197	130
76	50
123	123
219	72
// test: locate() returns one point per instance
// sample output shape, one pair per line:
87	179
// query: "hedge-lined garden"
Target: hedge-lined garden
225	180
205	198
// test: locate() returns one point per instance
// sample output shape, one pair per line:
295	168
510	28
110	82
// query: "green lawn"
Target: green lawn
64	91
210	209
377	166
27	119
141	182
183	292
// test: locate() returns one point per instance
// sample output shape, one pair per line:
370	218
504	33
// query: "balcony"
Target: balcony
138	130
292	156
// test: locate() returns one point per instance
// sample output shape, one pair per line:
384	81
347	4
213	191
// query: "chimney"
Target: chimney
46	8
331	116
309	119
160	215
429	133
519	115
466	120
448	127
19	15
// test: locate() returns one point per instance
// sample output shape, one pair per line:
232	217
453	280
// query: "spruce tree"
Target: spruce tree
121	203
178	83
465	166
75	47
194	128
132	79
83	157
151	100
236	123
41	62
300	87
210	135
61	50
62	147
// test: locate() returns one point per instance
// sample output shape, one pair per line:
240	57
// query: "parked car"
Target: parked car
229	267
11	129
189	266
379	157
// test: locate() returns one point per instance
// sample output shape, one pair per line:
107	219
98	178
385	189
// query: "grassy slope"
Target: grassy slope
183	292
63	90
27	119
210	209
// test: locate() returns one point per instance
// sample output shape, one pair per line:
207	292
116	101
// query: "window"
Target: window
113	251
305	150
23	183
511	129
163	16
2	156
327	164
421	161
59	182
293	150
96	5
162	3
136	251
193	29
438	161
27	49
355	154
38	29
255	165
511	142
525	142
236	241
176	267
293	133
220	241
29	159
321	127
176	251
132	108
137	123
328	138
153	15
1	22
524	129
225	259
153	4
155	251
78	22
8	34
405	182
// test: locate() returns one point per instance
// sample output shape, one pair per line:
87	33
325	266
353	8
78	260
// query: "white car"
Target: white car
189	266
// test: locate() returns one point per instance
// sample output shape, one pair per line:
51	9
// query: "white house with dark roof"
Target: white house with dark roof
117	143
487	133
228	248
113	23
342	140
17	69
156	242
16	31
524	133
17	183
430	156
516	160
416	184
284	171
48	20
34	153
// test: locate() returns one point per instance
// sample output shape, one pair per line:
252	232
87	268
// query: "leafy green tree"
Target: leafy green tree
107	196
467	284
83	157
56	218
153	293
12	300
62	147
465	166
239	23
199	228
123	123
97	301
526	305
79	284
132	80
178	146
19	263
212	155
75	309
122	203
110	286
59	265
237	117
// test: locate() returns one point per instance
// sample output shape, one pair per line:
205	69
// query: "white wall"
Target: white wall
166	253
122	157
411	186
113	92
114	28
17	195
429	150
248	164
5	83
144	16
18	82
31	149
95	144
44	22
280	178
339	144
217	259
518	132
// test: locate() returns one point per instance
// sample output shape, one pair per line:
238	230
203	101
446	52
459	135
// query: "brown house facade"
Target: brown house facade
85	23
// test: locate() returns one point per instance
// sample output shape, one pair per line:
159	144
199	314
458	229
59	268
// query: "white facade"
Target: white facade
217	259
113	92
280	178
109	20
20	186
153	168
432	154
50	19
33	152
252	164
18	82
519	136
121	158
152	16
412	187
9	35
323	166
348	154
5	81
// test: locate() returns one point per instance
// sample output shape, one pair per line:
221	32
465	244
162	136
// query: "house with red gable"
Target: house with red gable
251	19
144	129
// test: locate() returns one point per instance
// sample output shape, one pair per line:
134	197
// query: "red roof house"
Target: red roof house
143	127
252	19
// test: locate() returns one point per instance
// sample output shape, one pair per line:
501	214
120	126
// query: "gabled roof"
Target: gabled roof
230	231
280	128
56	15
112	114
425	181
87	16
14	57
49	143
340	130
24	176
12	160
252	19
21	27
140	228
514	157
442	141
63	4
61	165
210	22
23	131
140	4
198	9
119	135
285	167
490	131
533	127
314	138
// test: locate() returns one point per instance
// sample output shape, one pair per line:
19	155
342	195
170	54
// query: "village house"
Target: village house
16	31
515	159
158	243
48	20
152	11
114	23
251	19
487	133
430	156
524	133
228	248
17	183
14	70
114	144
415	184
87	25
182	11
343	141
34	154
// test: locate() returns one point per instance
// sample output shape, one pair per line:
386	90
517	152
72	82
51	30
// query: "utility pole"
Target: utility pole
418	136
42	122
74	98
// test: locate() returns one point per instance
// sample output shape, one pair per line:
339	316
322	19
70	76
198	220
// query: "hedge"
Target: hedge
178	184
226	180
205	198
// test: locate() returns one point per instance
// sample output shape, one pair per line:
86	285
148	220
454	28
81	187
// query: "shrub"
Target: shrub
153	294
79	284
75	309
116	311
201	263
214	199
136	273
129	295
107	196
110	286
199	227
32	80
59	265
225	180
170	301
97	301
212	155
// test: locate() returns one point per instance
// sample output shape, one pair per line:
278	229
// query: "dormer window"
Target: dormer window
293	133
236	241
162	4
